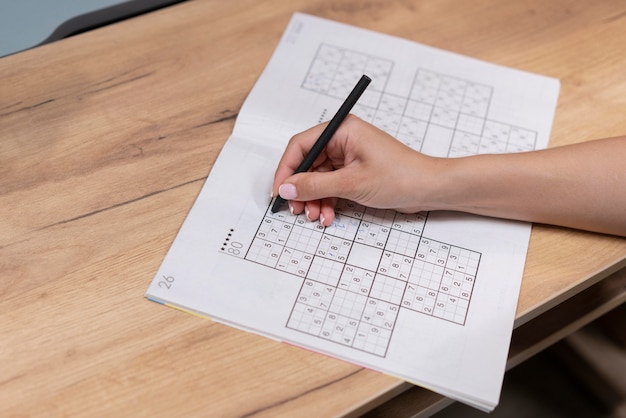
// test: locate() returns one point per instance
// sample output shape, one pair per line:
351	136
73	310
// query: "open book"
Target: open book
428	297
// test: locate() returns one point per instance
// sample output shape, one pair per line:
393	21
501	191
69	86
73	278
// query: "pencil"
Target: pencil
328	132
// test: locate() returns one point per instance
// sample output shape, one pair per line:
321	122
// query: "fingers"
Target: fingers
314	208
296	149
322	210
316	185
327	211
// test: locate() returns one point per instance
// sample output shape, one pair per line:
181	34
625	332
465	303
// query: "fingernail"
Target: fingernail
322	219
306	212
290	207
287	191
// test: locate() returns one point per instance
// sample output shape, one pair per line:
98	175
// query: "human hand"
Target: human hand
364	164
360	163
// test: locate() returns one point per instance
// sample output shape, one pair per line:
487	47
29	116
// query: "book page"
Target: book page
428	297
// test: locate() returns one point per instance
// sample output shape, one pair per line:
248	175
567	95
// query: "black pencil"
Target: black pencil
328	132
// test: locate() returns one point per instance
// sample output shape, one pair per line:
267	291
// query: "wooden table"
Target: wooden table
106	139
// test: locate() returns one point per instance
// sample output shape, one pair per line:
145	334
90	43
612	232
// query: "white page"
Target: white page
429	298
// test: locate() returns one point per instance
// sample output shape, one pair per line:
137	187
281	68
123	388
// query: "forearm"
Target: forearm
580	186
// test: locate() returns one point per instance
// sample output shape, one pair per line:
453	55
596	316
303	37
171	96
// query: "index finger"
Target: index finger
297	148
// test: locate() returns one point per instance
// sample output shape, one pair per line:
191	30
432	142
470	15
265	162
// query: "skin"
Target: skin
580	186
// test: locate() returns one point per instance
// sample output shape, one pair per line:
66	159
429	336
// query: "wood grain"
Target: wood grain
106	139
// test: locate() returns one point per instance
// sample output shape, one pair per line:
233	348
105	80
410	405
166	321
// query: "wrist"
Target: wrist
451	184
428	183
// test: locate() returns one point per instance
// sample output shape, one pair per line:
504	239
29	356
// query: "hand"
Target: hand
360	163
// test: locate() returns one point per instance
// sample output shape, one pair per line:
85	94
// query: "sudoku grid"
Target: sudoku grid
361	271
451	110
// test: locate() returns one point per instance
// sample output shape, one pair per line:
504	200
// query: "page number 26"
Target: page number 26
166	281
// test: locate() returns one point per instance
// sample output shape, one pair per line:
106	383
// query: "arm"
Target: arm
580	186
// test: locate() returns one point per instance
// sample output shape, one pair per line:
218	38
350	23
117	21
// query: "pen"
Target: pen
328	132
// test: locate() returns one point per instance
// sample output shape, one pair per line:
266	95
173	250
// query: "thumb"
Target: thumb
313	186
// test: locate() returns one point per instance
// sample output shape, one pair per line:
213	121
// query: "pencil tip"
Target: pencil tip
278	203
